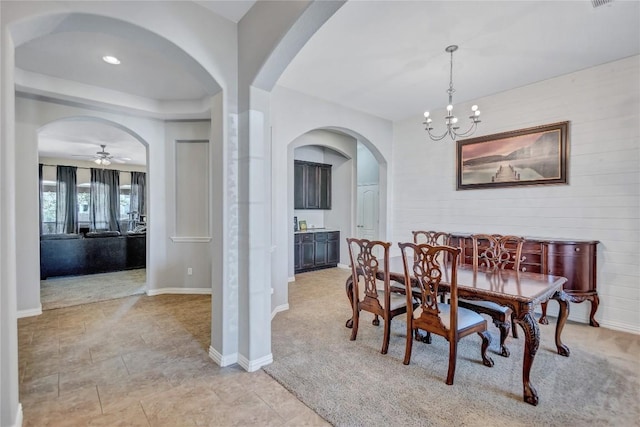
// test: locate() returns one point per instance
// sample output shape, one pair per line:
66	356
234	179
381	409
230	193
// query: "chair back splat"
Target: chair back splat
496	252
431	237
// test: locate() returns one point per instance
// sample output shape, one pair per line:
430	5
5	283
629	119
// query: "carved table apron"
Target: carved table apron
521	291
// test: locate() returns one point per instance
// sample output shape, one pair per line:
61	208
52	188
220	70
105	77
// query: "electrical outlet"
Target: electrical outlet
189	271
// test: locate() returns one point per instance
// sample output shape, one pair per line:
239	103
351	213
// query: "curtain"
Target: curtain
66	200
104	200
138	189
40	191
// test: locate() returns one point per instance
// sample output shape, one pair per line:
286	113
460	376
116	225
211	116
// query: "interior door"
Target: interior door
368	207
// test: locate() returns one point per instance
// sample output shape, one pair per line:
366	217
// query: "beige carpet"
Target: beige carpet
58	292
349	383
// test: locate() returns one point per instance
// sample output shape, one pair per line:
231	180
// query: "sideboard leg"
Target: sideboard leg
595	302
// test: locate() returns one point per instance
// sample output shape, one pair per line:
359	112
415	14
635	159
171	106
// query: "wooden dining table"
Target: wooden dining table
521	291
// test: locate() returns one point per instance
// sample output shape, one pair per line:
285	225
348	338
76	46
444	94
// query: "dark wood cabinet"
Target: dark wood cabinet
320	245
333	247
312	185
574	259
316	250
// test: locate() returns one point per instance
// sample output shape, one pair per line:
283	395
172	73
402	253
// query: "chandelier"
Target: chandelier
453	128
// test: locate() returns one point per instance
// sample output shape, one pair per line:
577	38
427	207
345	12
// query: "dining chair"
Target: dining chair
423	266
431	237
371	286
497	252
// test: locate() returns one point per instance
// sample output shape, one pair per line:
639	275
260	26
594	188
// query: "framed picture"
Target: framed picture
531	156
302	225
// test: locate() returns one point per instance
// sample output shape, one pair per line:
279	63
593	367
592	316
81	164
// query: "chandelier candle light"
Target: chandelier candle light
450	120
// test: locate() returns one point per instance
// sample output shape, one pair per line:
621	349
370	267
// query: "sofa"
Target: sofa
96	252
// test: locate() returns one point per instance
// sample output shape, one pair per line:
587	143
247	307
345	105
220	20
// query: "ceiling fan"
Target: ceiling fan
103	157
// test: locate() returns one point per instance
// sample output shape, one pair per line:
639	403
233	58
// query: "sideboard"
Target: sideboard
570	258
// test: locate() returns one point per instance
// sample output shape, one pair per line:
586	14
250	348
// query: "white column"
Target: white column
10	410
254	208
224	233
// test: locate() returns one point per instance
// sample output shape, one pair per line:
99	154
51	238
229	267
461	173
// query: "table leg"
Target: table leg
349	289
531	343
543	319
563	299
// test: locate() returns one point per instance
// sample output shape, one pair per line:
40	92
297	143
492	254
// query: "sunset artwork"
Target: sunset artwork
528	156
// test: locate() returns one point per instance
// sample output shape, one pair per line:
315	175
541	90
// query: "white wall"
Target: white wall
601	201
182	251
368	170
293	115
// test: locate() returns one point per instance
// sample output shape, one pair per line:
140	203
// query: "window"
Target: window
127	219
125	202
49	207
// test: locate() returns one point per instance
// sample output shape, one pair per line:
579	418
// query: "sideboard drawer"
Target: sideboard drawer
569	249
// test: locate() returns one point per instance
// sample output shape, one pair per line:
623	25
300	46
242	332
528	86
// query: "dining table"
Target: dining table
521	291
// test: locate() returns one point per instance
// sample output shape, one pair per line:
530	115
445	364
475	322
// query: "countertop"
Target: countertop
315	230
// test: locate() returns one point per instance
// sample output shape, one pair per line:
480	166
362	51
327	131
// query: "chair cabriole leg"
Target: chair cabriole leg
486	340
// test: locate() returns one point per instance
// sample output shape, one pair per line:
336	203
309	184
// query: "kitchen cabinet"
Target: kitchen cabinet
312	185
316	250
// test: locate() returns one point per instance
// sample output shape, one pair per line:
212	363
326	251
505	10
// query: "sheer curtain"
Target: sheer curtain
104	199
66	200
138	188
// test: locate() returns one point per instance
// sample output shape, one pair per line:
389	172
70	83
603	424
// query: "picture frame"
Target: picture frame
302	225
531	156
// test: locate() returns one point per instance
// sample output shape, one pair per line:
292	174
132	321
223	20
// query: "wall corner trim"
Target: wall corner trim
28	313
254	365
221	360
18	416
184	291
278	309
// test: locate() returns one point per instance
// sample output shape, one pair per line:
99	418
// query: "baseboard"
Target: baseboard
622	327
18	416
291	279
254	365
344	266
221	360
30	312
278	309
186	291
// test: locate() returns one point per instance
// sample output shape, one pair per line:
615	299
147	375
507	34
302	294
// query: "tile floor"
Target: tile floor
141	361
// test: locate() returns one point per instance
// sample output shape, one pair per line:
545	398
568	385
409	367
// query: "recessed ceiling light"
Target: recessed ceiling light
111	60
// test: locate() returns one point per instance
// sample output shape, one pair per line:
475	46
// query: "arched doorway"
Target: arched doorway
97	266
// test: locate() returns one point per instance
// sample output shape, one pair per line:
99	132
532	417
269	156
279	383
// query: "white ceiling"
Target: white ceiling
388	58
385	58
